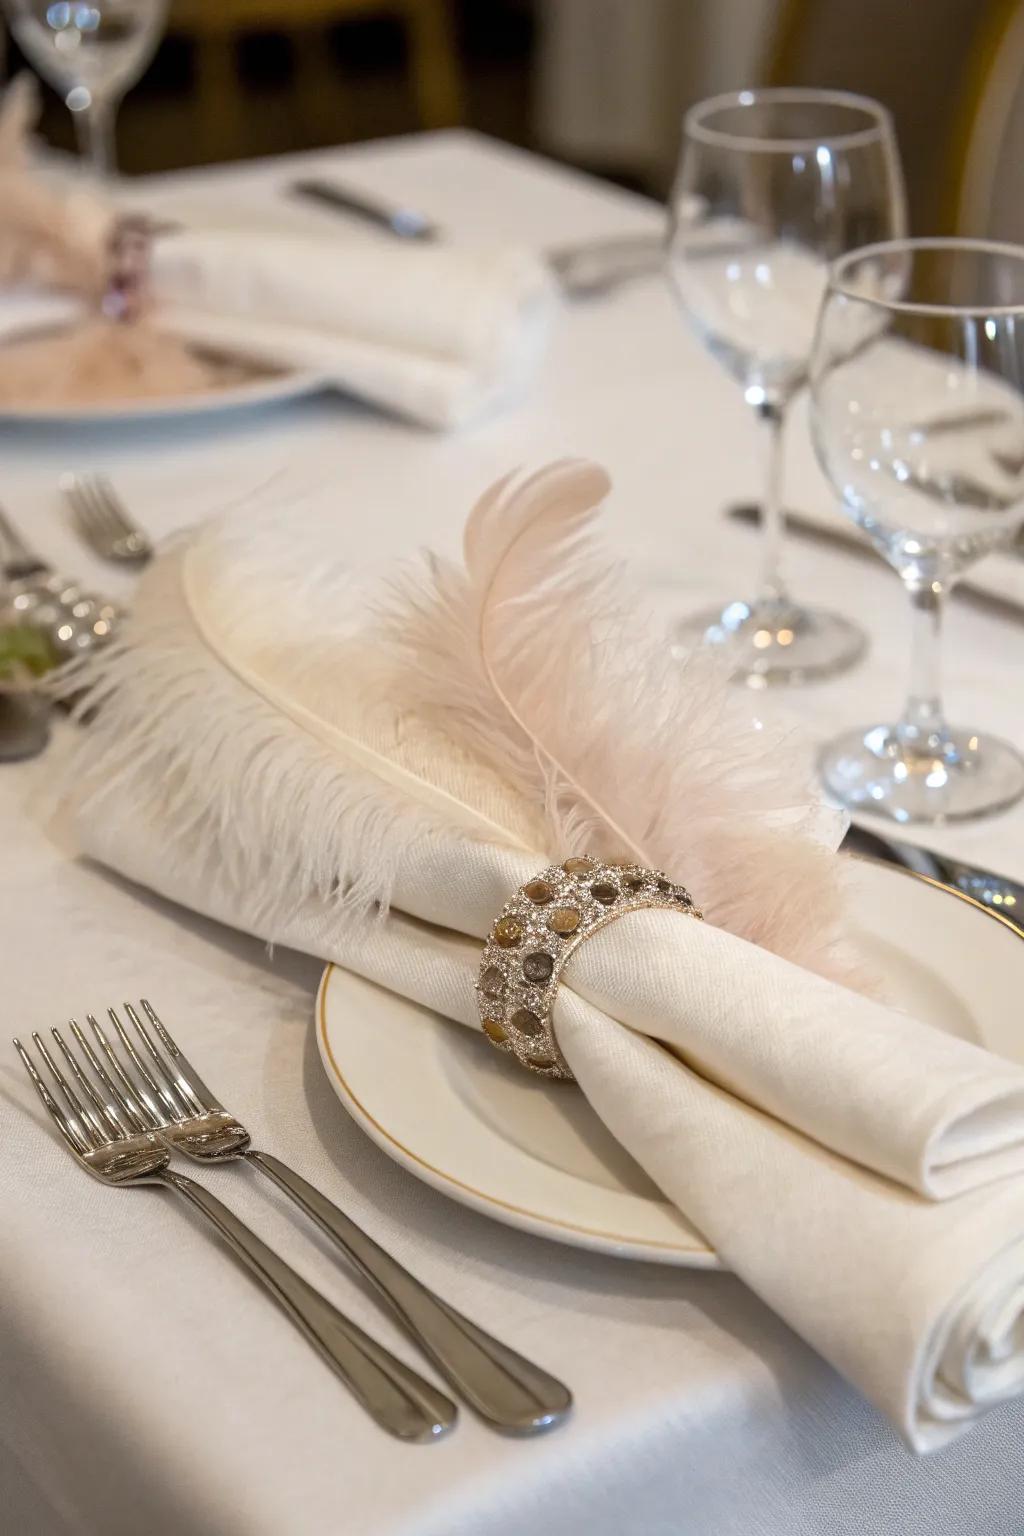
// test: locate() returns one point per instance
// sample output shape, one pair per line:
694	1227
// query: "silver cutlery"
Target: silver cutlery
168	1097
998	892
589	269
853	544
585	268
395	1396
73	619
397	218
103	520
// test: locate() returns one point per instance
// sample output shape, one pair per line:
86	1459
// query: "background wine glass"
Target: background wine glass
917	415
771	186
91	51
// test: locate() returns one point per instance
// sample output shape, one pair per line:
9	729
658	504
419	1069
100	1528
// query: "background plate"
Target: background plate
265	389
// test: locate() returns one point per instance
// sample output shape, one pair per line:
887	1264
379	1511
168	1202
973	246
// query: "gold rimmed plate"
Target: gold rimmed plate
531	1153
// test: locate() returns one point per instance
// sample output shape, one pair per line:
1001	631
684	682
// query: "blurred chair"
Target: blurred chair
912	57
614	76
216	26
987	161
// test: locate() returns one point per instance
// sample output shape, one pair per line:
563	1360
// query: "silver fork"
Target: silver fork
510	1393
103	520
400	1400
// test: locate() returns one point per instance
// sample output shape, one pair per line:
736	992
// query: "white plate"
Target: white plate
264	389
451	1109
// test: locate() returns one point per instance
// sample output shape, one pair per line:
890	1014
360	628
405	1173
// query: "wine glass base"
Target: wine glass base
771	643
964	775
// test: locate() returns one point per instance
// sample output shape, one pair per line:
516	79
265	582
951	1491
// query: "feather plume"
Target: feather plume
283	736
535	656
235	717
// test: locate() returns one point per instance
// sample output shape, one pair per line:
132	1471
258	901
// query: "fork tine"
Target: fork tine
106	505
77	1143
178	1086
168	1106
104	509
107	1121
83	515
124	1103
81	1115
104	520
142	1108
89	508
75	488
187	1073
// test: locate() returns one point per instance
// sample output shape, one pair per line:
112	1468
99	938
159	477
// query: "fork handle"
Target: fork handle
400	1400
509	1392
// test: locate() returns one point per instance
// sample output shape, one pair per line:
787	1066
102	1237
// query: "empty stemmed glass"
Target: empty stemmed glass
91	51
917	415
772	185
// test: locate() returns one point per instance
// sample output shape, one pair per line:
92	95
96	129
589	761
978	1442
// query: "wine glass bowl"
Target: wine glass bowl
772	185
91	51
917	417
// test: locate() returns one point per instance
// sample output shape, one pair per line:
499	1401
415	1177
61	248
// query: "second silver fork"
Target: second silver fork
399	1399
509	1392
103	520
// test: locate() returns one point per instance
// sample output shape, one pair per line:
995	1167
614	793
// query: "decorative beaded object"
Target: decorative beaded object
534	935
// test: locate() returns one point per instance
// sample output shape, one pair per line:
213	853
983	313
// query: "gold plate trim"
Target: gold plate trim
478	1194
700	1250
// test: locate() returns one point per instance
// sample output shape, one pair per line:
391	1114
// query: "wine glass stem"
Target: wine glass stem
923	727
770	414
94	126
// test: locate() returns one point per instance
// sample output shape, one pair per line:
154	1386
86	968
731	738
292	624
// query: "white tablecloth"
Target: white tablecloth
146	1383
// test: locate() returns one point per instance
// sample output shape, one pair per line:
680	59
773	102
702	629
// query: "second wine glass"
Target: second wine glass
773	185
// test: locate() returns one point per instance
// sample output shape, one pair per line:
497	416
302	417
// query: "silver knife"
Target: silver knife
397	218
997	892
585	269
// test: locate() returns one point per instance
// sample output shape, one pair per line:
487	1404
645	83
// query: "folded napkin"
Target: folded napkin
860	1170
438	334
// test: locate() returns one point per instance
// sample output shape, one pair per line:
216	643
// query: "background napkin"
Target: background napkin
434	333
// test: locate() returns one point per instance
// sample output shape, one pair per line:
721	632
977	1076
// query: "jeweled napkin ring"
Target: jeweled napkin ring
536	932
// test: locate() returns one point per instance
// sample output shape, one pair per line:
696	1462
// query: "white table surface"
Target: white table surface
146	1383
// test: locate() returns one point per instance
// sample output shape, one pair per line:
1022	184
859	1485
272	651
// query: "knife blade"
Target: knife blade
397	218
997	892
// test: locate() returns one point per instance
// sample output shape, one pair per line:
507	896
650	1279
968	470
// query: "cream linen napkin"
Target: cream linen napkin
917	1301
860	1170
434	333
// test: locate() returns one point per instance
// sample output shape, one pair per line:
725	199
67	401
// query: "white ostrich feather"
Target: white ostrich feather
237	717
295	742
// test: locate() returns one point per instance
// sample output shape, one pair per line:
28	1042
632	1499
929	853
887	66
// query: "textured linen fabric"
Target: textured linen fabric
917	1301
144	1377
435	334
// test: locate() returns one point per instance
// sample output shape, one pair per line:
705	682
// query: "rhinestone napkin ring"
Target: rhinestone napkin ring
537	931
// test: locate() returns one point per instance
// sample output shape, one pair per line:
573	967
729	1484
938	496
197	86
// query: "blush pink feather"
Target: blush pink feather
535	656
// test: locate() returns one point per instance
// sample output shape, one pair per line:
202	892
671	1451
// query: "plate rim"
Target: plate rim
291	385
595	1239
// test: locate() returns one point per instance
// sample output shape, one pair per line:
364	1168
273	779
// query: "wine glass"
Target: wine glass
917	416
772	185
91	51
